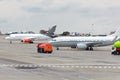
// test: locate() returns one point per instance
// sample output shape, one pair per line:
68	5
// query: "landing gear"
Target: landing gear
10	42
89	48
57	48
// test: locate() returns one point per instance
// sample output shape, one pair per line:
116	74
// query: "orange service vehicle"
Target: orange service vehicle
27	41
44	48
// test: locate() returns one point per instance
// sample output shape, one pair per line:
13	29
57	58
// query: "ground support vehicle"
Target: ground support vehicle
44	48
116	48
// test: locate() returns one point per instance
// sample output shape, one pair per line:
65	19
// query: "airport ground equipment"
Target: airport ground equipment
44	48
27	41
116	48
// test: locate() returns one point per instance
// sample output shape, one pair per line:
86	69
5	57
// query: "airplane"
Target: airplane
29	38
86	43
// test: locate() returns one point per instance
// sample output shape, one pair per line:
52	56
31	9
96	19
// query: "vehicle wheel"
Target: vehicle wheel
115	53
50	52
31	42
118	53
21	40
112	53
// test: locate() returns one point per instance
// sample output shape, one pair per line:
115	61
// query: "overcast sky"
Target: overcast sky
94	16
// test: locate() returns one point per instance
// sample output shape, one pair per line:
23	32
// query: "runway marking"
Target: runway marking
102	66
91	66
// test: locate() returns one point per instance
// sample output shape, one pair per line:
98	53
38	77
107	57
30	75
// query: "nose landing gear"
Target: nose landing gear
89	48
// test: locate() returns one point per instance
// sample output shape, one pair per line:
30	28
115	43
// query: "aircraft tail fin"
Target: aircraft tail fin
51	31
117	33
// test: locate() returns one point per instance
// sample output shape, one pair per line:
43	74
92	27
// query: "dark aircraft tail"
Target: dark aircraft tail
51	31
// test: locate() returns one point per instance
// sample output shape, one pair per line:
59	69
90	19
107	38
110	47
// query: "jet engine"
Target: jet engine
73	46
81	46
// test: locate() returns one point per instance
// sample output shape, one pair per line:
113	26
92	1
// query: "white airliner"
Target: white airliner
29	38
86	43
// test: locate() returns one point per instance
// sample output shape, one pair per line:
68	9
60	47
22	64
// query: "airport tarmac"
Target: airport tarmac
20	61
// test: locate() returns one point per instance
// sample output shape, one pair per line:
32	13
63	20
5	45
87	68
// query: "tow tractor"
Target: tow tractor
44	48
116	48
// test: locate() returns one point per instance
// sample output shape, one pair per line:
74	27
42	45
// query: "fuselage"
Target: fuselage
26	36
73	41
